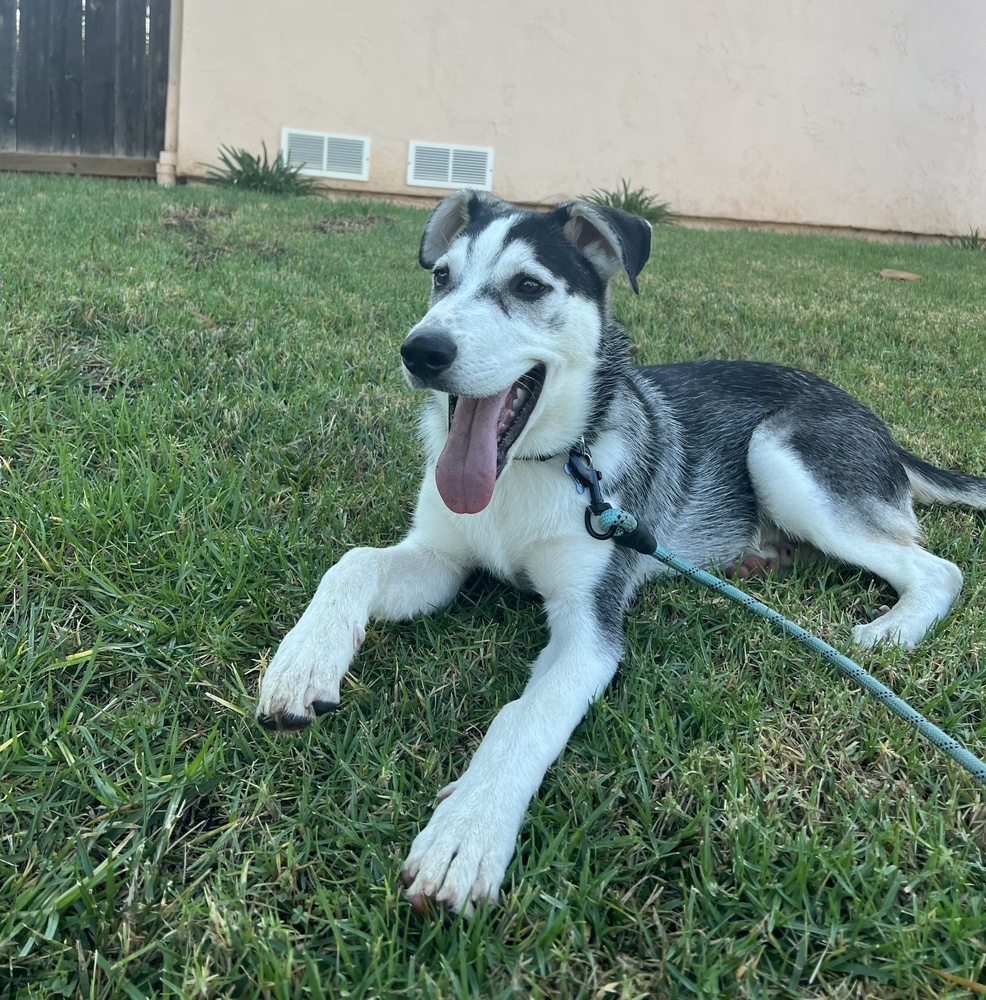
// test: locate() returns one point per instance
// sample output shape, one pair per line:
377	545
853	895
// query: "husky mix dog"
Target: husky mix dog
728	464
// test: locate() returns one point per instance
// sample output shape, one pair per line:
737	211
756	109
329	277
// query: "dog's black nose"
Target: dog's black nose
428	353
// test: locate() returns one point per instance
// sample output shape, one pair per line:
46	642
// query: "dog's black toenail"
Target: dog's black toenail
291	723
324	707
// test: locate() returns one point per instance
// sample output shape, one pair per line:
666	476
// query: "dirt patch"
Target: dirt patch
202	252
194	216
194	224
101	377
360	225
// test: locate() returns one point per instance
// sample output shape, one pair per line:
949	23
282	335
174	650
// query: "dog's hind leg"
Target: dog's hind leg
389	584
876	534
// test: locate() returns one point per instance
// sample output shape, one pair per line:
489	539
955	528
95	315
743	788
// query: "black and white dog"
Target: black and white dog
727	463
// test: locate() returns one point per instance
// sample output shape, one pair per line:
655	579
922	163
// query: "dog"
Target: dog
728	464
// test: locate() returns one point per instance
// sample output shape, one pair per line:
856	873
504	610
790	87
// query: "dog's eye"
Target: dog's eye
440	277
528	287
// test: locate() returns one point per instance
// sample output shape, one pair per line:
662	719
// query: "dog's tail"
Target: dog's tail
933	485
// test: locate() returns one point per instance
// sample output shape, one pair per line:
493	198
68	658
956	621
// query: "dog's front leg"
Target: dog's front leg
390	584
460	857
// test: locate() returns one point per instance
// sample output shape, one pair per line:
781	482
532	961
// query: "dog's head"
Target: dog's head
519	309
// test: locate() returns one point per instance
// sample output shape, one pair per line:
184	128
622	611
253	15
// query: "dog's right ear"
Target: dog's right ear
450	216
610	238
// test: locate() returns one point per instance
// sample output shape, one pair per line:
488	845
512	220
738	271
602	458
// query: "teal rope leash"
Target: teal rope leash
624	530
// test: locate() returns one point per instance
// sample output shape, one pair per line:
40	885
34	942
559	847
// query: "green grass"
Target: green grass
201	408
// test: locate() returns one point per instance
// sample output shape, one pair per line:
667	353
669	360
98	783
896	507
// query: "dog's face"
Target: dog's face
519	304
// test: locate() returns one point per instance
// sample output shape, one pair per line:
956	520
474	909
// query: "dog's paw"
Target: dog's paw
303	679
460	857
888	628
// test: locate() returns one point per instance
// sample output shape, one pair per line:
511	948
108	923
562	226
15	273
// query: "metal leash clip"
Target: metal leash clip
619	525
579	467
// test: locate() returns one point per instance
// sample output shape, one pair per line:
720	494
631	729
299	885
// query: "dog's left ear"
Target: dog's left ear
610	238
450	216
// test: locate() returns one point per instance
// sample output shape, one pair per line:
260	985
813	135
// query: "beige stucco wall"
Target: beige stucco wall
824	112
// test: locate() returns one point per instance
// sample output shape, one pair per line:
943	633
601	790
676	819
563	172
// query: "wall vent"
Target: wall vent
346	157
432	164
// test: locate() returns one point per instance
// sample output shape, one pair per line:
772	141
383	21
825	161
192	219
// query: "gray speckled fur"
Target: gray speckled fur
691	426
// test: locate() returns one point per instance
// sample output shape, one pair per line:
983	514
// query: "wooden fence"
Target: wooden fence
83	82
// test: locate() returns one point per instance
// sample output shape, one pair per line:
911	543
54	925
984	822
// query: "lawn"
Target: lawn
201	408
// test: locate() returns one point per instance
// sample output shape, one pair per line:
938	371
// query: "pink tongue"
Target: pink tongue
466	471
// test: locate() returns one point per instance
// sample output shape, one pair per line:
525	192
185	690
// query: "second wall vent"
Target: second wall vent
322	154
432	164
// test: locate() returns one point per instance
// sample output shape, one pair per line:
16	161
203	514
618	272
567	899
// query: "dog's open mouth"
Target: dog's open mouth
481	433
